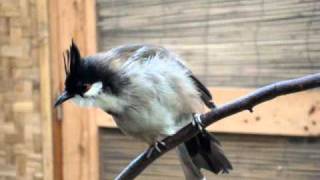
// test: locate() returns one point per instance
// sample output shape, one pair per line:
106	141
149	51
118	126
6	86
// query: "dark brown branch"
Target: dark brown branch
244	103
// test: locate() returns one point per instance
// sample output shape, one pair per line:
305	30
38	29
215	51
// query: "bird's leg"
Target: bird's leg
156	147
197	122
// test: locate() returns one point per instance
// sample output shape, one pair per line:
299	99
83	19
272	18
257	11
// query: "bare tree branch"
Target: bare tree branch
244	103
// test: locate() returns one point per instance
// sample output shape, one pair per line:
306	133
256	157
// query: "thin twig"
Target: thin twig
244	103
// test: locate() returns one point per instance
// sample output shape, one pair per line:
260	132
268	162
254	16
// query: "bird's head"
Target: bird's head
82	79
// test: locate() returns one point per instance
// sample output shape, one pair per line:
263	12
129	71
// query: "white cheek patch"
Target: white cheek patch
78	100
95	90
84	102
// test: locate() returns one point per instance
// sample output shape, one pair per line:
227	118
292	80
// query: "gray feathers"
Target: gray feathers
150	93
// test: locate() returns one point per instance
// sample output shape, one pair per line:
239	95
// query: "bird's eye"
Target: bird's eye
86	87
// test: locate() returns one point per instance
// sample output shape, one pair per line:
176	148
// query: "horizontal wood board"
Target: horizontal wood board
292	115
245	43
253	157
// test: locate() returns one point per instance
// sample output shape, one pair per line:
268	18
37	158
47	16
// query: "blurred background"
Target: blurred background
233	46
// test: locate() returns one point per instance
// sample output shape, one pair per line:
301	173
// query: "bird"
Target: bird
151	94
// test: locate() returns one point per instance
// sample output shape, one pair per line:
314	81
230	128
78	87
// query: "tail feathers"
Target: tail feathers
210	104
191	171
205	152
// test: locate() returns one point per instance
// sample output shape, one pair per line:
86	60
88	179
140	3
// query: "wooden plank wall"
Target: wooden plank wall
241	43
245	43
253	157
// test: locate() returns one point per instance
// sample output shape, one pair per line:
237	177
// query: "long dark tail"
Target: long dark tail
202	151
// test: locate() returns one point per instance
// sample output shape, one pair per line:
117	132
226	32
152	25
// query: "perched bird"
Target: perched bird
151	94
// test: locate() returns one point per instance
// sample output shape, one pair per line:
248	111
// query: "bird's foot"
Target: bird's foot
156	147
197	122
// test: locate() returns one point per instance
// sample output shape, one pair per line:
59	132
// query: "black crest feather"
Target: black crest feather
72	59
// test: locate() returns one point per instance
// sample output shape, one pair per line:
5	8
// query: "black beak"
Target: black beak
62	98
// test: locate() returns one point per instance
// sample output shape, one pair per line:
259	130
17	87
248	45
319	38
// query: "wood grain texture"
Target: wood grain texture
253	157
232	44
45	90
69	20
55	66
226	43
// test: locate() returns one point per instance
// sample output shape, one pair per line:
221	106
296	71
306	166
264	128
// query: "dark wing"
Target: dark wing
204	92
145	51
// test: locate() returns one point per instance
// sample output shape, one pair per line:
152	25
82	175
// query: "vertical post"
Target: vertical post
45	88
76	152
